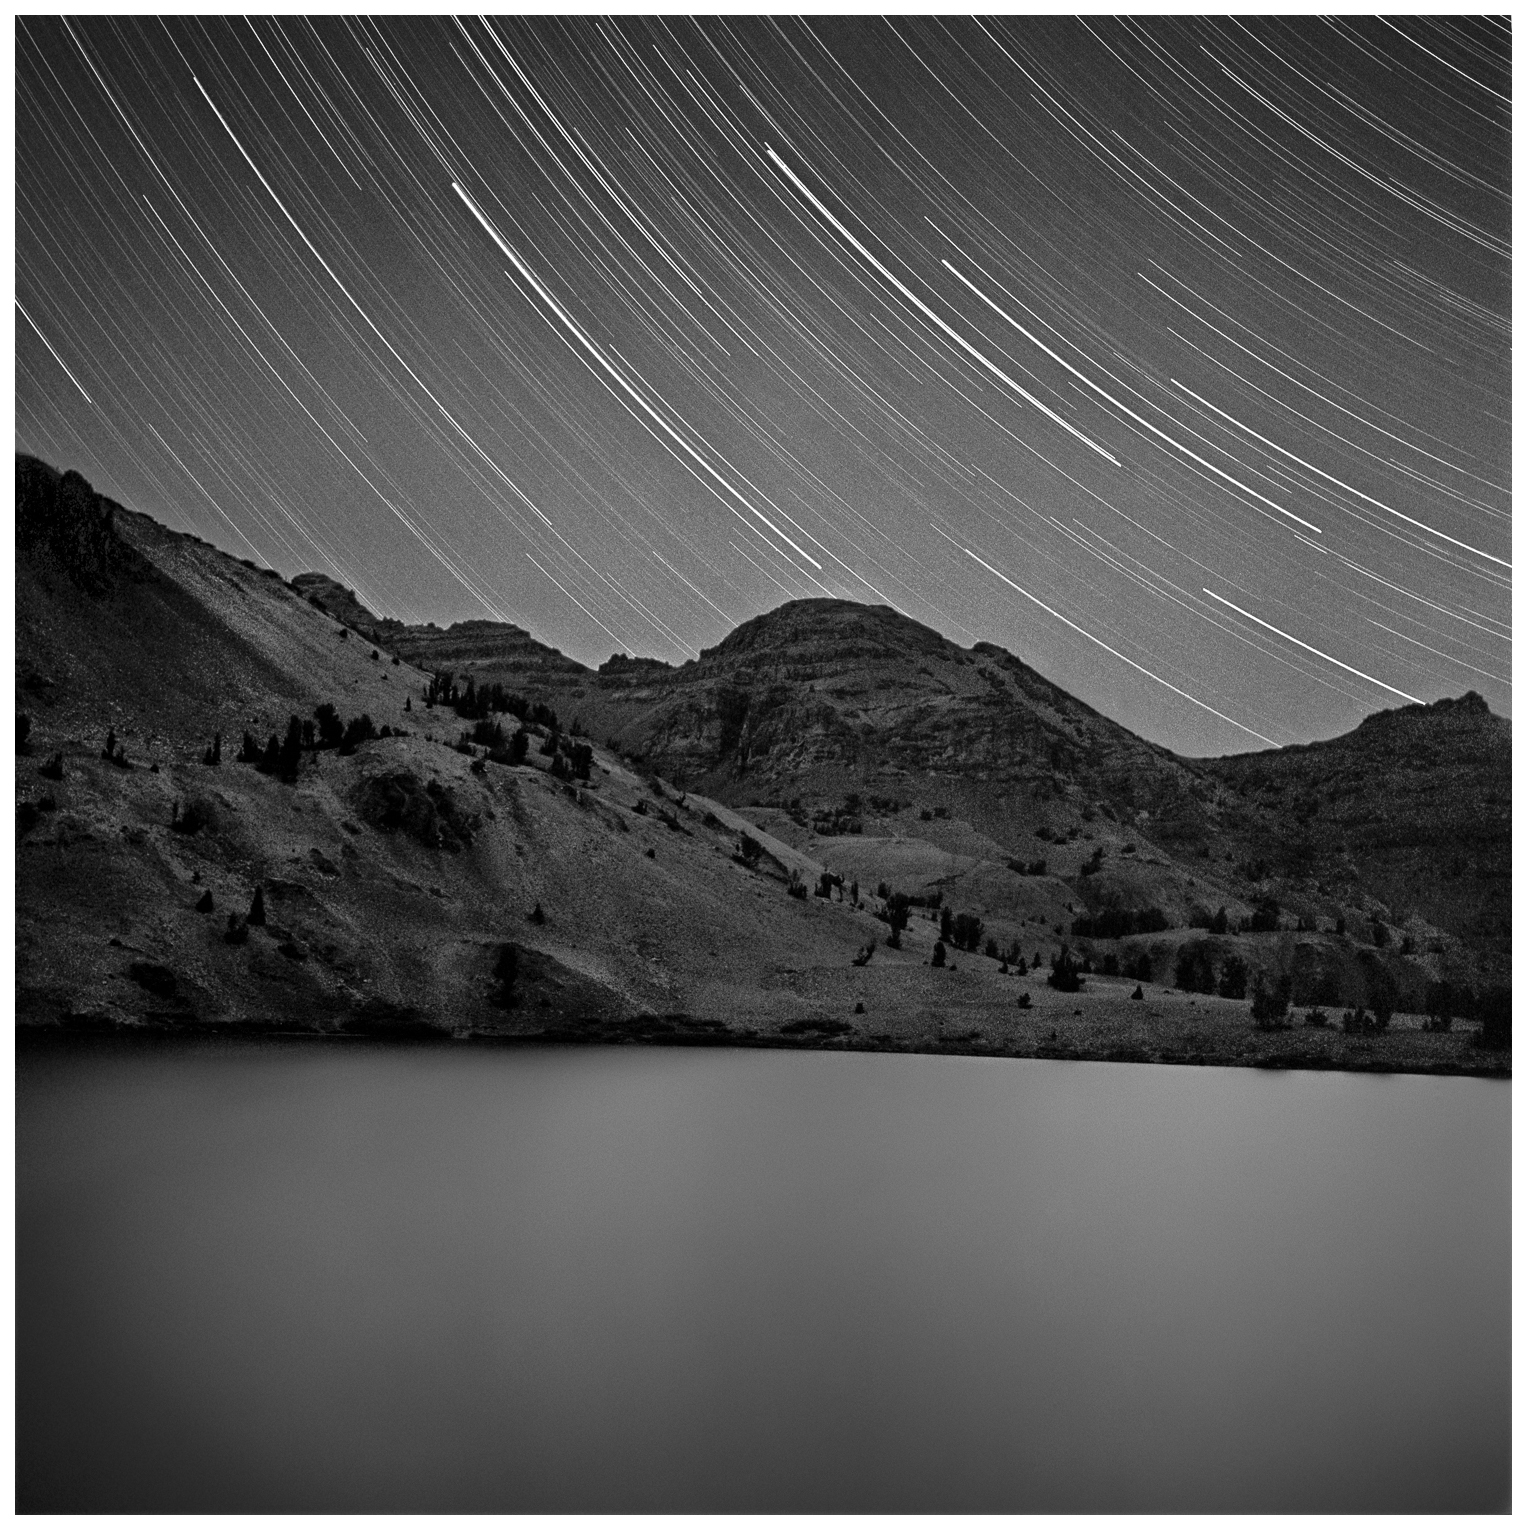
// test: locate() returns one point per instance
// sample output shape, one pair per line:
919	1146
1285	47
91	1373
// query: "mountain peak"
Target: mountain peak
825	627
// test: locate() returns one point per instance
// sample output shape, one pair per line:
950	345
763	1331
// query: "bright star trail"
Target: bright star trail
1171	354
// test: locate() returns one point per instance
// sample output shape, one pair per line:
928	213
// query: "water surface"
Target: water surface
298	1276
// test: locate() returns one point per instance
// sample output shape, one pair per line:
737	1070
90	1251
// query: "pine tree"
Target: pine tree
290	755
1065	975
331	730
257	907
506	972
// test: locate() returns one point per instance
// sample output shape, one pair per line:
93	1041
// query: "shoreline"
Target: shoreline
1355	1055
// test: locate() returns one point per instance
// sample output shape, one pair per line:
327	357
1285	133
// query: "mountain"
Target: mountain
1406	817
847	750
1411	810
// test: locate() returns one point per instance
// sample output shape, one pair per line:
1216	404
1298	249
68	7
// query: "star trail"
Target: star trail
1171	354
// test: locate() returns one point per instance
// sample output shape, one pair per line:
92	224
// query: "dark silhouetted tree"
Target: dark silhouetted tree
967	930
1269	1008
506	972
331	728
1232	979
357	731
257	907
938	953
1065	976
204	903
289	757
1265	915
1195	968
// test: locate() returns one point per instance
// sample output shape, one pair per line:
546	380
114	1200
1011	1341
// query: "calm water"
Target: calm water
346	1277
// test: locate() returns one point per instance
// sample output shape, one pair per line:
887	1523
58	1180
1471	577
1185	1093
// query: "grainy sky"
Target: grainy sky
1170	354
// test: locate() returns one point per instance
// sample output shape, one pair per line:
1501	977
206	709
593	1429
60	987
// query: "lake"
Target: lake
281	1276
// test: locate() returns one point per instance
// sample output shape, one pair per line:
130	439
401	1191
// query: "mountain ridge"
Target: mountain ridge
856	750
787	698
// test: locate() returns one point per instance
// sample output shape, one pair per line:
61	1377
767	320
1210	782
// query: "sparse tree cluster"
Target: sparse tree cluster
1027	868
473	702
281	755
114	752
1117	923
896	912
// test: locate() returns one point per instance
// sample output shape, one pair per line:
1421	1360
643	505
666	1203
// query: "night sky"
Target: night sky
1172	355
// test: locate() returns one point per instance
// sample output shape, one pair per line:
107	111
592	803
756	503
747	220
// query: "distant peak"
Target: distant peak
821	619
626	664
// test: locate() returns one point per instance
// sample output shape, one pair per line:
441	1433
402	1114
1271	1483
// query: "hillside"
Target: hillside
400	873
1403	822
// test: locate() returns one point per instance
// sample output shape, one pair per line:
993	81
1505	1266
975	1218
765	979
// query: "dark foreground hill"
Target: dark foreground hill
645	862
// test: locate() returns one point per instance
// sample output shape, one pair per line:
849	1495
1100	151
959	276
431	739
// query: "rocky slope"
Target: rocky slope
1403	822
396	873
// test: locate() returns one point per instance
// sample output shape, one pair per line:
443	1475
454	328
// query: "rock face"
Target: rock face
61	515
823	696
487	650
341	603
1412	808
